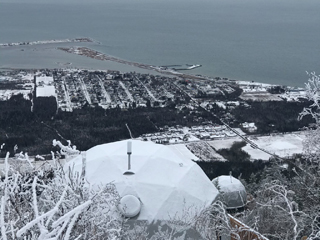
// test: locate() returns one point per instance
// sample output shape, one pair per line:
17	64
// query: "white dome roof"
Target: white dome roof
164	181
232	191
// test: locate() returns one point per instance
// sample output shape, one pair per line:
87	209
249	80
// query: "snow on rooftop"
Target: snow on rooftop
228	184
233	193
165	180
46	91
183	151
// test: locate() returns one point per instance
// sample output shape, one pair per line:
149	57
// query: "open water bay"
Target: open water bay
254	40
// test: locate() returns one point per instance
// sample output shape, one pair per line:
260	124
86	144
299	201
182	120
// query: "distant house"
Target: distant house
251	127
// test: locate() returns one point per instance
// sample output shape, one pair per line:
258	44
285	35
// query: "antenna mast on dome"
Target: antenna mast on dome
129	152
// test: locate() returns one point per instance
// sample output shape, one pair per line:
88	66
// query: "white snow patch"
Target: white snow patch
224	143
7	94
229	184
283	145
221	105
46	91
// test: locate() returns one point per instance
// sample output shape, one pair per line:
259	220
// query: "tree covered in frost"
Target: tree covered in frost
39	204
287	199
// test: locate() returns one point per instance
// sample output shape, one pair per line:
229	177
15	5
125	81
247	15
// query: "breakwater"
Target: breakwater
47	42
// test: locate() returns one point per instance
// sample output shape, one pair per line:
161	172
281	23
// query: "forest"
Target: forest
33	131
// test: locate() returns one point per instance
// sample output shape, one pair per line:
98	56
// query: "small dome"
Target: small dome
129	206
232	192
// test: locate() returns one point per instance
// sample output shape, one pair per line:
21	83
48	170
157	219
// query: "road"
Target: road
244	138
147	89
127	91
105	93
85	91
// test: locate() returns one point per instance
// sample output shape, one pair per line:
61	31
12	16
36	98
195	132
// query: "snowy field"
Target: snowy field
224	143
204	151
46	91
260	96
283	145
7	94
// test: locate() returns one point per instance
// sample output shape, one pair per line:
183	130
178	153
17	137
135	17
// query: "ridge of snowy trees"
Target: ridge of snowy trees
287	200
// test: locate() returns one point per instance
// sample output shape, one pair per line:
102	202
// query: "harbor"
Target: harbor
181	67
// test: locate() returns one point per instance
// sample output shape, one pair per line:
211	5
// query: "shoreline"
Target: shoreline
90	53
85	39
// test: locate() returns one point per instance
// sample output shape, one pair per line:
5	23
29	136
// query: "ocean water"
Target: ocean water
254	40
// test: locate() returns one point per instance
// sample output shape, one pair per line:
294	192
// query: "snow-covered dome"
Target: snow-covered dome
164	182
232	192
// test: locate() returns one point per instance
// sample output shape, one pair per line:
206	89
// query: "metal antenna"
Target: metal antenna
129	152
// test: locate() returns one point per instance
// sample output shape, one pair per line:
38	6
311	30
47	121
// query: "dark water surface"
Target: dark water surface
266	41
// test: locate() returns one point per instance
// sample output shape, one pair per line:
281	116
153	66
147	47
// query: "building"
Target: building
158	183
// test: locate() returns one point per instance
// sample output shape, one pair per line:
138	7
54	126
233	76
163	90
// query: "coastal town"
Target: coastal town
72	89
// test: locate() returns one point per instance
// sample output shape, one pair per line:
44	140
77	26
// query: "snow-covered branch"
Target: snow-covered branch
66	150
36	206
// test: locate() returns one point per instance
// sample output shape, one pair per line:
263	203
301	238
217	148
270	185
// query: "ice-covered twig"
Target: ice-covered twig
4	200
66	150
1	147
71	213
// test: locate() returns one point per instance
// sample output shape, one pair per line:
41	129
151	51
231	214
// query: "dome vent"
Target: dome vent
129	206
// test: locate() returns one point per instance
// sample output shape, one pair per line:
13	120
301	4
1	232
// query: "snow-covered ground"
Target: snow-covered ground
25	84
45	87
46	91
259	92
6	94
204	152
283	145
224	143
294	95
257	84
260	96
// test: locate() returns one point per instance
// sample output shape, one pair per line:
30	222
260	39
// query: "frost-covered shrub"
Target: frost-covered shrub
40	204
